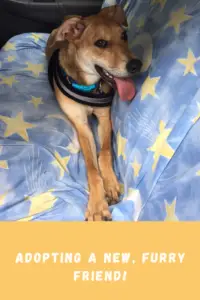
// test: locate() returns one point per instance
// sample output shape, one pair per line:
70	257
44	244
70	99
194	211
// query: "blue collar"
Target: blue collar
84	88
80	87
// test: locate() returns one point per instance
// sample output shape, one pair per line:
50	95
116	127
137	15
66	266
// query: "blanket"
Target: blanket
156	136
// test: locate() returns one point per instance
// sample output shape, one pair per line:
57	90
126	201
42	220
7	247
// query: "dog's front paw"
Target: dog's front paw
112	189
97	211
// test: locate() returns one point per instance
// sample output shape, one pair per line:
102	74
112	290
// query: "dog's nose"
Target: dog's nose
133	66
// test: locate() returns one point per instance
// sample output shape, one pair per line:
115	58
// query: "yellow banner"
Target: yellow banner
99	261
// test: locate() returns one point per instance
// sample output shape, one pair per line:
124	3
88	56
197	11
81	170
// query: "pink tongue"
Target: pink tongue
126	88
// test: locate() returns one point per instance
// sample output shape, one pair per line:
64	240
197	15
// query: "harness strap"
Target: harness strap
84	97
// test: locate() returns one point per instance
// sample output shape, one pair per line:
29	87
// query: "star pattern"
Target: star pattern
2	198
61	163
198	115
36	36
9	47
26	219
149	87
177	18
198	173
10	58
160	2
189	63
41	202
170	209
161	147
3	164
17	125
136	167
36	101
8	80
140	22
36	69
121	144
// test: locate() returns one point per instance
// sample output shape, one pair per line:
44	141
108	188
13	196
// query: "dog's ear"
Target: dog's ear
116	13
70	29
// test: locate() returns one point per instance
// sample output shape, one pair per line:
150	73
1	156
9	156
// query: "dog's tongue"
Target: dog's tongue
126	88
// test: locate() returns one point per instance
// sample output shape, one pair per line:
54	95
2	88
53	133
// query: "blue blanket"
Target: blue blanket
156	137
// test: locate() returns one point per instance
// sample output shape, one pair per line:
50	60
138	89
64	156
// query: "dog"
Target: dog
89	59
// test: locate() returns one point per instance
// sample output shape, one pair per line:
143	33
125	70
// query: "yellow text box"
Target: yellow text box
99	261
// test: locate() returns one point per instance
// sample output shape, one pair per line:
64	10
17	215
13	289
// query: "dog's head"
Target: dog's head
97	47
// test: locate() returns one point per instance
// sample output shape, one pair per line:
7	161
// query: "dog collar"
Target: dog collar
80	87
84	88
89	95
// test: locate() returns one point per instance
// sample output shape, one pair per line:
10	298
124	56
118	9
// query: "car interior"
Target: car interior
39	15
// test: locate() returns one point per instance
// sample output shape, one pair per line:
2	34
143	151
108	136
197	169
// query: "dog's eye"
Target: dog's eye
101	43
124	36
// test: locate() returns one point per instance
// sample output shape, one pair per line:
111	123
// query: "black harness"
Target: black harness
96	97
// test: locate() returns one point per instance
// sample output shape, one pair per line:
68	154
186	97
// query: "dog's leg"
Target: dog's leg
78	114
110	182
97	206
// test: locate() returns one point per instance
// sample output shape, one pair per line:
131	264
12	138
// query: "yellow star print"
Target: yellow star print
10	58
36	101
140	22
136	167
3	164
61	163
170	211
161	147
161	2
126	5
36	37
36	69
149	87
9	46
121	144
41	202
198	173
177	18
8	80
25	219
198	116
2	198
189	62
16	125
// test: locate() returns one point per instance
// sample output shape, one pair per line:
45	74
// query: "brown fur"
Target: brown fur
77	56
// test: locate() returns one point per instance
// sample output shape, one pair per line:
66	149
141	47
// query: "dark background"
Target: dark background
19	16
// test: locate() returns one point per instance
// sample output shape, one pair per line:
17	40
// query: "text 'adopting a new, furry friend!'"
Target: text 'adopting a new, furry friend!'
109	262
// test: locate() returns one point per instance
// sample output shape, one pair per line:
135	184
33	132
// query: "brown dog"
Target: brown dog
92	50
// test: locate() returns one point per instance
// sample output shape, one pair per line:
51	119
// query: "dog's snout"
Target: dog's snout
133	66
